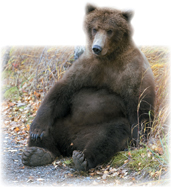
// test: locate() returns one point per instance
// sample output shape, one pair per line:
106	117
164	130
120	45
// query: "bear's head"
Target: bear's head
108	30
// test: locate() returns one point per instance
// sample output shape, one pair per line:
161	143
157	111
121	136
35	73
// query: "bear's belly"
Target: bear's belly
91	106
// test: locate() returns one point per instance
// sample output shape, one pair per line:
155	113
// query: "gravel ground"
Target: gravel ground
14	173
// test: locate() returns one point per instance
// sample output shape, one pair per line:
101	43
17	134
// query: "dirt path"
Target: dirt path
14	173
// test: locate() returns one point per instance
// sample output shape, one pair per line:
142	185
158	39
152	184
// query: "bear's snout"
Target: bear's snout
96	49
100	43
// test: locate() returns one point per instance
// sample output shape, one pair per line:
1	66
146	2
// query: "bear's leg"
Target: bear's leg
101	143
40	152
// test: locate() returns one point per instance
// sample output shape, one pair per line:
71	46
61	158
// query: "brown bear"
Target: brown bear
104	99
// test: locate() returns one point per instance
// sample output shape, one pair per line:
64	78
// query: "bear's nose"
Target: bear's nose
96	49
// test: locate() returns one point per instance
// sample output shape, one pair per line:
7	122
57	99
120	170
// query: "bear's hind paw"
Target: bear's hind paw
79	160
36	156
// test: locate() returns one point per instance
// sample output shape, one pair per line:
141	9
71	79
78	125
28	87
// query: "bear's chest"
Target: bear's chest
121	79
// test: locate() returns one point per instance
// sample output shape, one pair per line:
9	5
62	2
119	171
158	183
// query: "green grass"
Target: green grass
143	159
11	93
119	159
5	74
68	162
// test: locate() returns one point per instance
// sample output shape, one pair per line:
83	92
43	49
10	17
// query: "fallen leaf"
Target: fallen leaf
36	94
160	150
11	104
99	173
149	154
113	169
64	165
104	176
20	104
16	129
40	179
129	154
15	108
91	174
143	155
154	147
16	65
15	119
115	174
106	172
70	175
27	127
30	180
13	150
126	161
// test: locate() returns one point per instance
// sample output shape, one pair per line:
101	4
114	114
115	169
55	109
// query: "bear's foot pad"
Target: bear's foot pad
79	160
36	156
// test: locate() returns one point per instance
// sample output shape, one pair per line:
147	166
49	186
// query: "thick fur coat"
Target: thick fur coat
101	102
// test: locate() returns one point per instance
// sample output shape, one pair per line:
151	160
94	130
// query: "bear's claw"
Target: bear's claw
37	136
36	156
79	160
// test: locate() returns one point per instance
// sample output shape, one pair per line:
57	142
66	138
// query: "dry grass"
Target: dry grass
159	61
32	69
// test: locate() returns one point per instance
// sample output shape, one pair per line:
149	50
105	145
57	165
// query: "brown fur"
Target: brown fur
94	106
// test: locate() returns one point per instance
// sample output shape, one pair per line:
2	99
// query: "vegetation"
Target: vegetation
29	72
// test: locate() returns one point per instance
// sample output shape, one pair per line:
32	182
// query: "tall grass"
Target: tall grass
35	68
159	61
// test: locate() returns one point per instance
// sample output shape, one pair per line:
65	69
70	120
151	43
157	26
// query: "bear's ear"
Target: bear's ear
89	8
128	15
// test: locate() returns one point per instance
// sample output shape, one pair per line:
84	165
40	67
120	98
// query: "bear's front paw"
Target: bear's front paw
79	160
37	133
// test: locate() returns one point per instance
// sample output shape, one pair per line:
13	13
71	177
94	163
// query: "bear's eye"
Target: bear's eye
109	32
94	31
